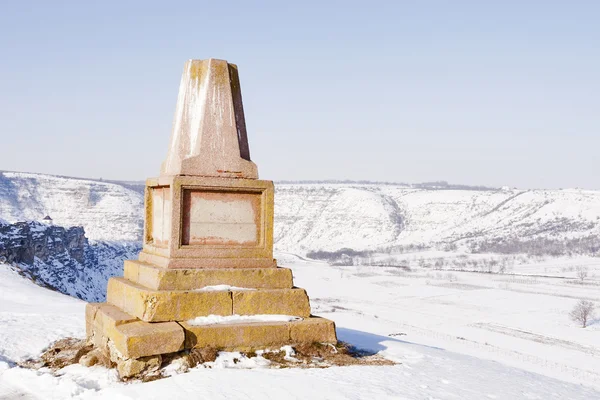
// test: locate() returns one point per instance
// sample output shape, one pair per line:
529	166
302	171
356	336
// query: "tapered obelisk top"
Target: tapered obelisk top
209	131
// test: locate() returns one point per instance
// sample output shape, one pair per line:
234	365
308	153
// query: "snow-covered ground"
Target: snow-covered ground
465	336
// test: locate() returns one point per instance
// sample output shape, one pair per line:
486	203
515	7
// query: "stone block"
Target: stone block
166	305
131	368
131	337
141	339
237	336
232	261
272	301
312	330
209	132
195	278
90	315
259	335
109	316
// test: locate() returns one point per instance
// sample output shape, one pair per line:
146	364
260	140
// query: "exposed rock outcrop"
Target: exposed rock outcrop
22	242
63	258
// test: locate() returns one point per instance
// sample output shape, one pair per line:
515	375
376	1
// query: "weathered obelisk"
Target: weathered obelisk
208	243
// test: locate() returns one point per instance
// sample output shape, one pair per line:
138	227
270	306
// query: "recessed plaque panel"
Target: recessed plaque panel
161	215
221	218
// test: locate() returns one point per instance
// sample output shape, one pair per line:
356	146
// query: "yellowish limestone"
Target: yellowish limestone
166	305
129	368
277	301
139	339
131	337
188	279
257	335
313	330
90	314
236	336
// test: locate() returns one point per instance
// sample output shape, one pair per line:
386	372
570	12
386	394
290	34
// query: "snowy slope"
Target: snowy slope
370	217
107	211
32	317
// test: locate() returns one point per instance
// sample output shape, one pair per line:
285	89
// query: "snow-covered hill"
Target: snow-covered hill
332	216
381	217
107	211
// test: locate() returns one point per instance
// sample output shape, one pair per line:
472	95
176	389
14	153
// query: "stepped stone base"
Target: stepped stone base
186	279
147	313
203	262
256	335
180	305
131	337
110	329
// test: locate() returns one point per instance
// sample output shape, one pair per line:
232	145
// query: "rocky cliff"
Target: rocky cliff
63	258
23	242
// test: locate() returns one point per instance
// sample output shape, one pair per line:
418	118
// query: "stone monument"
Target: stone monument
207	245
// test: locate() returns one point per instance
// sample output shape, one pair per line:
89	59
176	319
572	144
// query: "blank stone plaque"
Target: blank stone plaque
221	218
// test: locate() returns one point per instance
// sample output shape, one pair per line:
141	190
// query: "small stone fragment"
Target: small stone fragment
202	355
90	359
138	367
65	352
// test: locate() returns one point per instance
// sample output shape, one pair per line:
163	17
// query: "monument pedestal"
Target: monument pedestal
139	321
207	246
208	250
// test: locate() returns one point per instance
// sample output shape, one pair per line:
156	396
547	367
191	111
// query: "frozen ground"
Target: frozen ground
465	336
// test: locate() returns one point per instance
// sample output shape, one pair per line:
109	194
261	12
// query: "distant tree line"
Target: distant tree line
587	245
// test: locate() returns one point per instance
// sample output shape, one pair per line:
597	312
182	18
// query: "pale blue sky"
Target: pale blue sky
474	92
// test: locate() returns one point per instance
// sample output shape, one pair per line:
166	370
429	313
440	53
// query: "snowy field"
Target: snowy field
456	335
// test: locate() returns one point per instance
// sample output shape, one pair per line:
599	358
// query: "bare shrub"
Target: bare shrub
581	273
439	263
503	266
582	312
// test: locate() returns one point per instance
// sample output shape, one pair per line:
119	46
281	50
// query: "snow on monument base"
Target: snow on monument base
123	337
208	245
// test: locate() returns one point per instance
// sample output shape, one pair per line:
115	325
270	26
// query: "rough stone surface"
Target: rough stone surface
25	241
277	301
130	337
90	315
207	262
209	131
313	330
90	359
166	305
130	368
138	339
259	335
188	279
236	336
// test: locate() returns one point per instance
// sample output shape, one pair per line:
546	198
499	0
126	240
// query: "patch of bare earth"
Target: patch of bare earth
60	354
316	355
